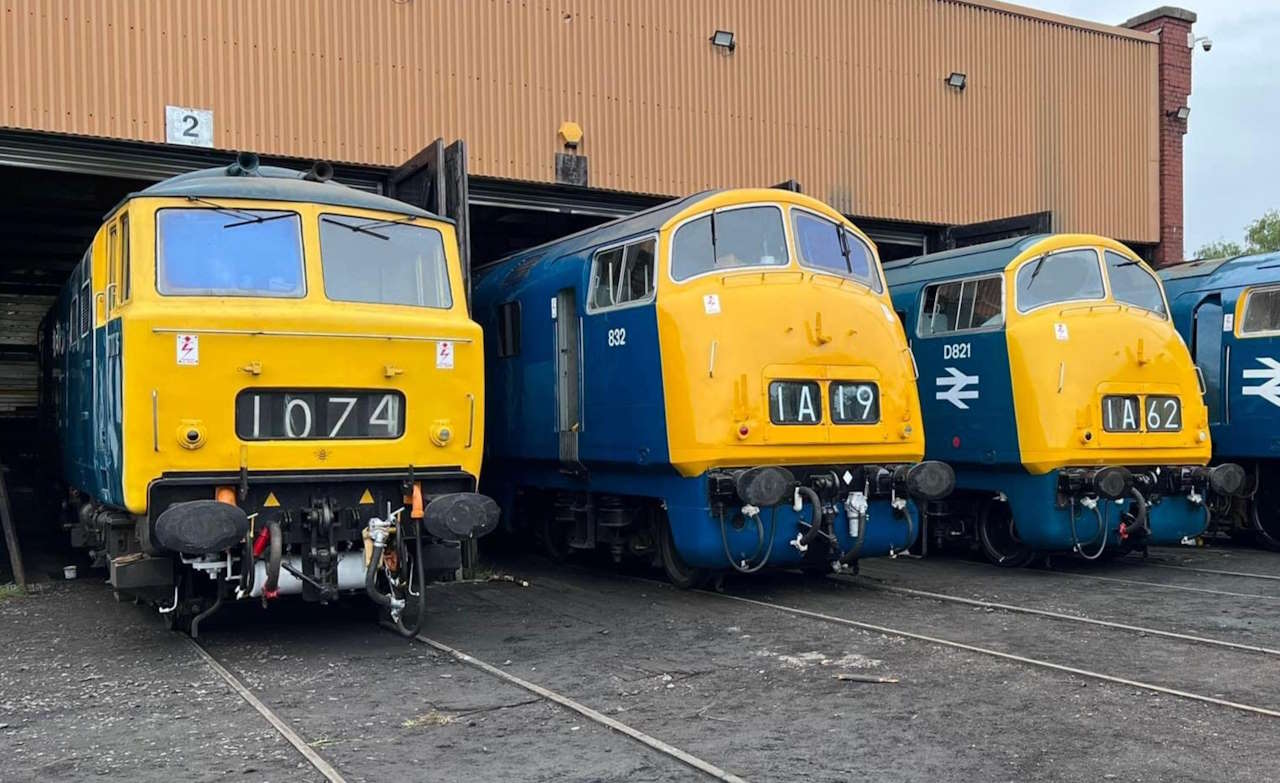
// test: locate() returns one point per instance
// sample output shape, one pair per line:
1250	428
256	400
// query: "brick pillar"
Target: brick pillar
1173	25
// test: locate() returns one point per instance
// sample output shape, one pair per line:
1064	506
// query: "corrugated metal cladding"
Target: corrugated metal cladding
848	97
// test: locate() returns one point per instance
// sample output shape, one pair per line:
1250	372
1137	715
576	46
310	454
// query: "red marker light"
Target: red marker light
955	442
743	431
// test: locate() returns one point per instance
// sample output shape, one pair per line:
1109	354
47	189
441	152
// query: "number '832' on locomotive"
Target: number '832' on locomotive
1053	380
264	383
716	383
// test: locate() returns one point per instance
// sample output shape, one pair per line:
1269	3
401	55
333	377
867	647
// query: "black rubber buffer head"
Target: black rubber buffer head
1227	478
930	480
1112	482
764	486
201	526
460	516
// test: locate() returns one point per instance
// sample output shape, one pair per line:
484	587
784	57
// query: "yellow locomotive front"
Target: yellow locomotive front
299	392
784	367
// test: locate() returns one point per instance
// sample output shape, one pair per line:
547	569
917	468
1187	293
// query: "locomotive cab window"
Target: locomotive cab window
742	237
1261	312
1065	276
383	262
962	306
1132	284
126	277
830	247
229	252
508	330
622	275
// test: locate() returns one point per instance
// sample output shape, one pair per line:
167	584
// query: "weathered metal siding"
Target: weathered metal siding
846	97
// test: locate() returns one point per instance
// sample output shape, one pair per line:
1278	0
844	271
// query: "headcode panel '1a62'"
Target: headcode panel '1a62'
319	414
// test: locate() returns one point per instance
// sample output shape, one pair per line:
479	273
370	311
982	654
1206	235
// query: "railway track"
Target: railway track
1215	571
865	582
653	743
331	774
1007	656
318	762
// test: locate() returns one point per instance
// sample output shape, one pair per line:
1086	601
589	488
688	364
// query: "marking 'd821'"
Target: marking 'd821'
319	415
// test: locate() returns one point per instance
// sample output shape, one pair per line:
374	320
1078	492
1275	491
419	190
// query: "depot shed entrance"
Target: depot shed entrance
55	189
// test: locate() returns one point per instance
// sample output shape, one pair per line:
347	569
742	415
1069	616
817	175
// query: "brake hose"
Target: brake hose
773	529
819	515
411	631
1075	536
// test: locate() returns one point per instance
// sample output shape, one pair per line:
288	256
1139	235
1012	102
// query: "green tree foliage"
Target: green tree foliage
1220	249
1261	236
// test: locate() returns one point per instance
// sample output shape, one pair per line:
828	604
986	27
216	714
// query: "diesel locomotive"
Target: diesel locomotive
263	383
1054	382
716	383
1228	311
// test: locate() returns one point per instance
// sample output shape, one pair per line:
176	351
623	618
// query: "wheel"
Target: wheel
553	537
1264	513
681	575
998	536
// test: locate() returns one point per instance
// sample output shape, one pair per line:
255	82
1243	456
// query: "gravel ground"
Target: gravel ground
94	689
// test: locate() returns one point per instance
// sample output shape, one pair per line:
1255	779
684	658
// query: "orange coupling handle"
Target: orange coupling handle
415	510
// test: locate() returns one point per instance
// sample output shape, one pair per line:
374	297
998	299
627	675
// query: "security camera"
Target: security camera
1206	43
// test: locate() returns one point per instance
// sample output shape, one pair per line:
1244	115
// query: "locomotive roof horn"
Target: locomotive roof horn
246	165
320	171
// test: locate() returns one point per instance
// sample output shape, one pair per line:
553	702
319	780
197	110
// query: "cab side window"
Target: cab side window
962	306
623	275
508	329
126	280
1261	312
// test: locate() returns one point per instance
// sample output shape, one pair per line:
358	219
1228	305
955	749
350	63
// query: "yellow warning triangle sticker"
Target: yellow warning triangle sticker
366	499
271	501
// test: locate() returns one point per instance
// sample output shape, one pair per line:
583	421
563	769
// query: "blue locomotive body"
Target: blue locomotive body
1228	312
1053	382
630	401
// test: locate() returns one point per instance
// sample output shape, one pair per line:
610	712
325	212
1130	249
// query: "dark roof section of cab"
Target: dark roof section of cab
273	183
961	262
1216	273
641	222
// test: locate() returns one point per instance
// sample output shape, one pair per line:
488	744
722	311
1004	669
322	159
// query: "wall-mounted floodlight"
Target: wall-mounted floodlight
725	39
1181	113
957	80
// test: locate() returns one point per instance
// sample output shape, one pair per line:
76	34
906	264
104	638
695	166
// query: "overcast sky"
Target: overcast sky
1232	159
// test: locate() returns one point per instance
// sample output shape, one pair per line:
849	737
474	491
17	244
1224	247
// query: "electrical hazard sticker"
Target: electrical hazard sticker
444	355
1060	332
711	304
189	349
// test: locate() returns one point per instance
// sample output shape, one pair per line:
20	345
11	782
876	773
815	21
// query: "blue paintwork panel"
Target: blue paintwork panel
86	371
1047	526
953	369
1244	416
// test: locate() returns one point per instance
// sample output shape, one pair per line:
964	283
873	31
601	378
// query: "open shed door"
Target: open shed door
991	230
435	179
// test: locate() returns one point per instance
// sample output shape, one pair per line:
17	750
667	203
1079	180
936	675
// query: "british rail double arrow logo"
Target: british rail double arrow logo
1269	390
957	391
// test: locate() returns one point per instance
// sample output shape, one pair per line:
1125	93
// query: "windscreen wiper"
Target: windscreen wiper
1036	271
397	221
359	228
245	217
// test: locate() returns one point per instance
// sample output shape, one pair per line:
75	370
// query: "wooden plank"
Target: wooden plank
11	533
